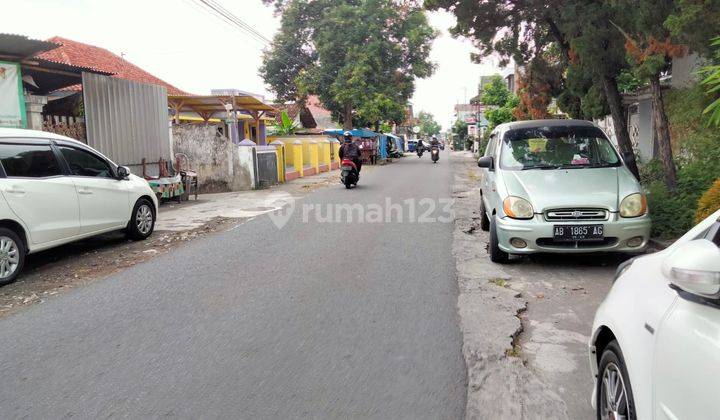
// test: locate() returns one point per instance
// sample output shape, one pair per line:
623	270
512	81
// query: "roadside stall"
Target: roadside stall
396	149
367	140
383	143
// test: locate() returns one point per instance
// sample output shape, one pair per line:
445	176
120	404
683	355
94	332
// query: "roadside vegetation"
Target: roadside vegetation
428	126
583	55
361	58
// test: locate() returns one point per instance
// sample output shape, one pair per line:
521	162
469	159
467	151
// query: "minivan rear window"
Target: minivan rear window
28	160
557	147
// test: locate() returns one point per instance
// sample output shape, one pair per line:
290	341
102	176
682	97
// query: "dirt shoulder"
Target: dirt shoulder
57	270
499	383
526	324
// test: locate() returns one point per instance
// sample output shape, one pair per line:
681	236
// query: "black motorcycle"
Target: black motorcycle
420	150
349	174
435	154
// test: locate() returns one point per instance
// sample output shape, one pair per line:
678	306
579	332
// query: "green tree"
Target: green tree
500	101
711	83
597	55
528	32
428	125
460	133
496	92
694	23
650	52
360	56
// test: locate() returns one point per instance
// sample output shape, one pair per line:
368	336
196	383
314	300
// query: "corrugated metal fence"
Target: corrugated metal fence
126	121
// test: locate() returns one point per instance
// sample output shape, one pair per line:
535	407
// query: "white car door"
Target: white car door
104	199
687	357
38	193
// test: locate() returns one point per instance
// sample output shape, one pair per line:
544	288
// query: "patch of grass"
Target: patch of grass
513	351
498	281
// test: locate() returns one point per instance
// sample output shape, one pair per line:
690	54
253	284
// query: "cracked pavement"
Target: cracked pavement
525	324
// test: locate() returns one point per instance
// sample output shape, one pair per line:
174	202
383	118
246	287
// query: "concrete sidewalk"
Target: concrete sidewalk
239	205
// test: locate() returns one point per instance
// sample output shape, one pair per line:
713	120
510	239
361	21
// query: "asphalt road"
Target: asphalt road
323	320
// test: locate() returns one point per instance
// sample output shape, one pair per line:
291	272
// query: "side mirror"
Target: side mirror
123	172
695	268
486	162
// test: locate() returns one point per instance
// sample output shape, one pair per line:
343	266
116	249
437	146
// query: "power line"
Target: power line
234	18
216	10
223	14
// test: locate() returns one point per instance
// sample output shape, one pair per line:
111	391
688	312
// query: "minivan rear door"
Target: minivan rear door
37	191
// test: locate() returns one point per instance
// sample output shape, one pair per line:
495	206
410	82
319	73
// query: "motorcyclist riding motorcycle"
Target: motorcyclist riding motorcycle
351	161
434	149
350	150
420	148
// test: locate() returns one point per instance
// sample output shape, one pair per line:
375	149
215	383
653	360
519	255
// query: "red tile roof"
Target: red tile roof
316	107
84	55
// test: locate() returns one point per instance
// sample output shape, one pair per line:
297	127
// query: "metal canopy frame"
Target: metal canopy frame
222	107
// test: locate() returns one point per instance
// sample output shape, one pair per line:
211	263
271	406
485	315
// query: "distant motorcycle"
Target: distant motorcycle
349	174
420	150
435	154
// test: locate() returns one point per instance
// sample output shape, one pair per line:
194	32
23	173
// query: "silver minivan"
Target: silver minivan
559	186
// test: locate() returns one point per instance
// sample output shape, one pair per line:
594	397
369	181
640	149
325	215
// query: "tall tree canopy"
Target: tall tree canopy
496	92
360	56
428	125
500	100
546	37
650	52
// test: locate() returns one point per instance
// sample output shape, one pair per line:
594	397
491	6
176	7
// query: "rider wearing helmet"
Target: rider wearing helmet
350	150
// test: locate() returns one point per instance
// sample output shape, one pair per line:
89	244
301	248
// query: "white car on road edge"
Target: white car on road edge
56	190
655	344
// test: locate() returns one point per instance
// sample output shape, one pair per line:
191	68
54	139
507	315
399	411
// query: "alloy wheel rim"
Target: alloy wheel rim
144	219
614	399
9	257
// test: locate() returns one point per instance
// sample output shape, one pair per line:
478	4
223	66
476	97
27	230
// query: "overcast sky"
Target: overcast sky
195	51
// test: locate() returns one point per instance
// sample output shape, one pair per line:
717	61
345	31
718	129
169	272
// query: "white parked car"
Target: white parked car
56	190
655	345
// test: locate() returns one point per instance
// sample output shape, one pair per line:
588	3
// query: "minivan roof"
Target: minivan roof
21	133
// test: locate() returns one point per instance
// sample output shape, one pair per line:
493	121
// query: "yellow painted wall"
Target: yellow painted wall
304	150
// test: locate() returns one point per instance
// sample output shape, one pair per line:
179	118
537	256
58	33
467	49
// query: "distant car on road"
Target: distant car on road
57	190
655	345
559	186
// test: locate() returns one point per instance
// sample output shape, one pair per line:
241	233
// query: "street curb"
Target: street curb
659	244
499	383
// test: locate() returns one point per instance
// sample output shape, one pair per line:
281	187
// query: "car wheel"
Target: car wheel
497	255
142	223
614	394
12	256
484	221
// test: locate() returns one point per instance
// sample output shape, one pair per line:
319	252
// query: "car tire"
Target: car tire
142	221
612	373
497	255
12	256
484	221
